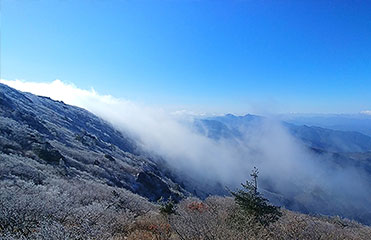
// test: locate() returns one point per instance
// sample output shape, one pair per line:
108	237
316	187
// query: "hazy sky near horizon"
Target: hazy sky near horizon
219	56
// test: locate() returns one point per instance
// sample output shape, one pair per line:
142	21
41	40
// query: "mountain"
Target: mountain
231	126
40	137
343	122
47	144
227	126
331	140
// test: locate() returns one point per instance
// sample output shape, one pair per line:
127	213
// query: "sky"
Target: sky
205	56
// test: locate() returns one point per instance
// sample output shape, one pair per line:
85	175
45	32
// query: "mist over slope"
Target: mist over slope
42	139
292	174
231	126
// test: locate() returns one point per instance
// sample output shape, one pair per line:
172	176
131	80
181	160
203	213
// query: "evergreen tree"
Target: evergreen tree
167	207
253	204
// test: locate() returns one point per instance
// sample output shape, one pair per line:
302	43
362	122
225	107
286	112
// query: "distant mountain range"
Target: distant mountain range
345	147
231	126
344	122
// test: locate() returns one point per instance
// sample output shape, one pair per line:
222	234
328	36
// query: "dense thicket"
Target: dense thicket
61	209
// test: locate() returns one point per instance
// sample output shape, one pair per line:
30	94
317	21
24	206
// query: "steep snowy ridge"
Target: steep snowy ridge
76	143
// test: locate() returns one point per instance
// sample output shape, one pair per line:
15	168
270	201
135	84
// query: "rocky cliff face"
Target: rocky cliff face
40	137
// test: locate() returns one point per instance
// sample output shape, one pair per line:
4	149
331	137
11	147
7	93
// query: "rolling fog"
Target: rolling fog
286	166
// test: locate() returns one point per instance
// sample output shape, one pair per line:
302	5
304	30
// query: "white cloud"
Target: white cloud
59	90
158	131
170	135
366	112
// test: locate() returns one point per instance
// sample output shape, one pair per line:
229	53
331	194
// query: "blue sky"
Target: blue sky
219	56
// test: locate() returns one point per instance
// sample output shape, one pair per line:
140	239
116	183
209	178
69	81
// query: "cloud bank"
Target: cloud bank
160	132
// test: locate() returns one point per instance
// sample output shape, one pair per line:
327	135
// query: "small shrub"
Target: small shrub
150	226
197	206
167	207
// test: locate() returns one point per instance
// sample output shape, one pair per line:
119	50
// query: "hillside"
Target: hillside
85	210
41	138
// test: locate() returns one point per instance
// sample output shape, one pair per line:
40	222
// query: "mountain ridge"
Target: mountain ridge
78	143
229	126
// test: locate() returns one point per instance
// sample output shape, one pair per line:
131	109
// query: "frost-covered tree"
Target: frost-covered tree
253	204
